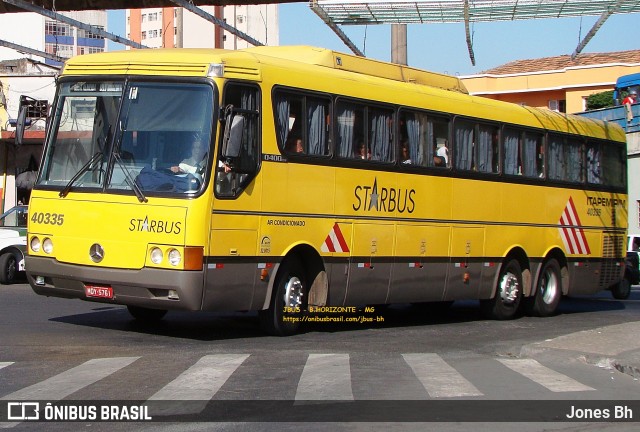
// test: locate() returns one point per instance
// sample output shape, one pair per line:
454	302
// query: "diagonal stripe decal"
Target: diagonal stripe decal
335	241
571	232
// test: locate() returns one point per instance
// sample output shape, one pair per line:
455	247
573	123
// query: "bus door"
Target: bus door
466	265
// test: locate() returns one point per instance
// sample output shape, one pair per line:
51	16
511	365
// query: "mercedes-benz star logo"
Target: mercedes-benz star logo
96	252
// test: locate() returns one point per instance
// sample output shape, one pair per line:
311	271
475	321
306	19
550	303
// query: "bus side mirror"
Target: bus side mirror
38	107
21	121
232	139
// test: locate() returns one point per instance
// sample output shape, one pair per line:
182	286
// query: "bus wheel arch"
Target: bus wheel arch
511	284
300	280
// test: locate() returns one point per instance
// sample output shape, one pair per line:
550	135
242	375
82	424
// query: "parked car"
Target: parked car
622	290
13	242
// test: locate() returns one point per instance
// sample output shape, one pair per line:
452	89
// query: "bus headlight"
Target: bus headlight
174	257
156	255
47	245
35	244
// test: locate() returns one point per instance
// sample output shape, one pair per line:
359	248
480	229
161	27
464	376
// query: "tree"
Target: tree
600	100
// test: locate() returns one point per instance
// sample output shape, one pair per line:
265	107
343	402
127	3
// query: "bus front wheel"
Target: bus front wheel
504	305
548	291
285	313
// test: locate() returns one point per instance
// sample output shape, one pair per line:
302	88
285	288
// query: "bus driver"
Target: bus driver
195	163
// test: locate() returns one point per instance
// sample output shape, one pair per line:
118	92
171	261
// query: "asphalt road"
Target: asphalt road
70	350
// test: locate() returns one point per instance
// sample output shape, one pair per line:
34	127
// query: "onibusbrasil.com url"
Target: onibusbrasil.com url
340	319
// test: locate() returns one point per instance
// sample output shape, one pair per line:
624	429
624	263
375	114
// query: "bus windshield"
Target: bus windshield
144	137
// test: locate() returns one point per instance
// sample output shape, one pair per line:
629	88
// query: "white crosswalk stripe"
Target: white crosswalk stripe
552	380
62	385
199	383
68	382
325	377
438	378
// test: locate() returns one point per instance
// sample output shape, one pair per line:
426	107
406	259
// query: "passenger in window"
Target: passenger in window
195	163
294	145
441	158
405	158
363	152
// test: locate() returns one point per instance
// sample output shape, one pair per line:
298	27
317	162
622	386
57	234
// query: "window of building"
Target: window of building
57	29
144	35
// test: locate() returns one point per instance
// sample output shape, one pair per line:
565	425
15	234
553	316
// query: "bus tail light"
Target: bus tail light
193	257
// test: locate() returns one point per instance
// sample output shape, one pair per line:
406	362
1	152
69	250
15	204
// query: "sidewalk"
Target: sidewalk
616	345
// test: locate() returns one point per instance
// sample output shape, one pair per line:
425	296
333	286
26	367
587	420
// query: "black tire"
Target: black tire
8	268
506	302
548	291
288	301
620	291
146	315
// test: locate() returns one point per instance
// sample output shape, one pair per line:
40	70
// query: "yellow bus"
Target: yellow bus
283	179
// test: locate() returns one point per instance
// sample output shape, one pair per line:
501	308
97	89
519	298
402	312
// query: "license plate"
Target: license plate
98	291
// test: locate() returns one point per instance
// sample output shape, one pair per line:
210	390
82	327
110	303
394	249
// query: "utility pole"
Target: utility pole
179	28
399	44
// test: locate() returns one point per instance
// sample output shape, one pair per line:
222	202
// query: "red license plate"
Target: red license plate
98	291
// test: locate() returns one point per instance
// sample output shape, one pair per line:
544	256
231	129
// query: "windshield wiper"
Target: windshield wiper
64	192
129	179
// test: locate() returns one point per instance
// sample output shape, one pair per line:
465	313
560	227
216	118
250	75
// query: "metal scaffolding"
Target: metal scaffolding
357	12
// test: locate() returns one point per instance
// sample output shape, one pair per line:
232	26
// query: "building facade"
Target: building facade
172	27
42	33
558	83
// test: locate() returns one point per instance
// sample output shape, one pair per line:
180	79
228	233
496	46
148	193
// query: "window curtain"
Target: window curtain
511	140
316	130
428	145
283	112
530	156
346	124
380	139
413	137
556	159
485	150
594	166
574	162
464	146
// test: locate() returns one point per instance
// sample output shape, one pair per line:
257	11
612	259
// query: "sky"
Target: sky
443	48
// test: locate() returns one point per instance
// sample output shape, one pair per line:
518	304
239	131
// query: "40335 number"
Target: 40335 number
47	218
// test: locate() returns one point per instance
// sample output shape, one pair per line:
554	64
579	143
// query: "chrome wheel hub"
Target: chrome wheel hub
293	293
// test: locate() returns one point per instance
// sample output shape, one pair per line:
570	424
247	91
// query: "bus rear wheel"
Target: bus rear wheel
504	305
622	290
288	302
548	291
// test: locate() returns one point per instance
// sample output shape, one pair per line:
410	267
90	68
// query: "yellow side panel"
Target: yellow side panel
422	241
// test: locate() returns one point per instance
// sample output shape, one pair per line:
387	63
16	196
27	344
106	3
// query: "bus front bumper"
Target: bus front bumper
147	287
